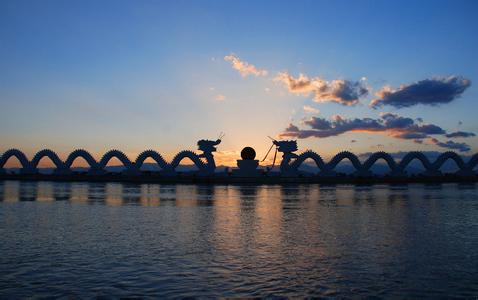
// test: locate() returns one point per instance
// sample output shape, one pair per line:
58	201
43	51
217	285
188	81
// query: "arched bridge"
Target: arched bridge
397	168
203	161
206	166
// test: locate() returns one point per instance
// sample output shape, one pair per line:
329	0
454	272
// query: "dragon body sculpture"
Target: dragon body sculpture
291	162
203	161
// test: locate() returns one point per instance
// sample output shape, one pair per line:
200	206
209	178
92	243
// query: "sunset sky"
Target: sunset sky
362	76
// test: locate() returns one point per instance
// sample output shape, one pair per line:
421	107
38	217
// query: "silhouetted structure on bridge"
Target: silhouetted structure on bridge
206	165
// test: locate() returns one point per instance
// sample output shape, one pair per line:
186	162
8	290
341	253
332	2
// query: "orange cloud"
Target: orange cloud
390	124
220	97
340	91
243	67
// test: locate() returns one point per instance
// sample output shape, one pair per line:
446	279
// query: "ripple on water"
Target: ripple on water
88	240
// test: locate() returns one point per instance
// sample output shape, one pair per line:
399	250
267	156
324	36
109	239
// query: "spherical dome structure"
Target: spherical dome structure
248	153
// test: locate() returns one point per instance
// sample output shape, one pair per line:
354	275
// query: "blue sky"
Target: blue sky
147	74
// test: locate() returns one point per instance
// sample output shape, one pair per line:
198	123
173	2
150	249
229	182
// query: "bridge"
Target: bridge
289	167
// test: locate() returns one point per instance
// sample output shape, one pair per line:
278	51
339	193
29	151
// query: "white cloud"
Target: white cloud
310	110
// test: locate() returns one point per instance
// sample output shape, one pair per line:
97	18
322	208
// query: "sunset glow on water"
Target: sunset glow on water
84	240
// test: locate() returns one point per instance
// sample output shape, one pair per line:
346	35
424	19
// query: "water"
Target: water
94	239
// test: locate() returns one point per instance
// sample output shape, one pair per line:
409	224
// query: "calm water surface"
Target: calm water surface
95	239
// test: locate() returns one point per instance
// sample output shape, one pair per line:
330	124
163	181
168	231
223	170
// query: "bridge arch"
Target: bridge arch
473	161
114	153
409	157
83	154
187	154
46	153
309	154
344	155
449	155
368	164
150	154
22	158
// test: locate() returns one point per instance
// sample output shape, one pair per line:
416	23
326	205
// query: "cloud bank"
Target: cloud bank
462	147
433	91
390	124
460	134
431	155
244	68
340	91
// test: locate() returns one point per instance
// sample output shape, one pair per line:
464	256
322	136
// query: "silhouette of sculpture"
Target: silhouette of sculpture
291	162
248	153
208	147
247	165
206	165
287	148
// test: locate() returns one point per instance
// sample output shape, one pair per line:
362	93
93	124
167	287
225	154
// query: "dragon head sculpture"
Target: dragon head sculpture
286	146
208	146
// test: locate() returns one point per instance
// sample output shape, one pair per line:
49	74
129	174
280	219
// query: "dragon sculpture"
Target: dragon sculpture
291	162
203	161
205	168
206	165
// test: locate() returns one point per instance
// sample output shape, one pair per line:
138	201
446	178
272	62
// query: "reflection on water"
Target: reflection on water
93	239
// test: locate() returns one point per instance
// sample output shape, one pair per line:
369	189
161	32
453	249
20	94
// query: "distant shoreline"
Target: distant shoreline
191	179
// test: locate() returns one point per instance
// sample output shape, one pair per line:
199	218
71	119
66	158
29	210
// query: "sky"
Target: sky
361	76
